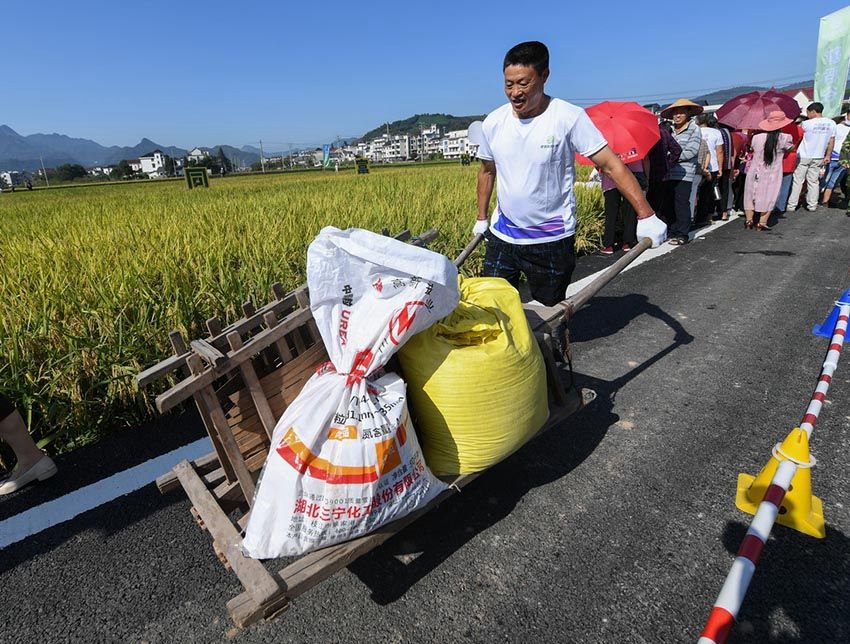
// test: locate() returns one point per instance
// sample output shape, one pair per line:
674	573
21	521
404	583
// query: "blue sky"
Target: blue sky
189	73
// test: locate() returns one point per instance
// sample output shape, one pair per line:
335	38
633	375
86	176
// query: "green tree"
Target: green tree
169	166
70	171
223	162
122	170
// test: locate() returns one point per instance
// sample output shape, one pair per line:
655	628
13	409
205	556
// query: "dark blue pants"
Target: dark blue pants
678	199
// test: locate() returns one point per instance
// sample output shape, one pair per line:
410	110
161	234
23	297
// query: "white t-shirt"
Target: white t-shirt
535	170
841	132
816	135
712	138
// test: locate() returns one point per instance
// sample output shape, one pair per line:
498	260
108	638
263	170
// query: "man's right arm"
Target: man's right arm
486	182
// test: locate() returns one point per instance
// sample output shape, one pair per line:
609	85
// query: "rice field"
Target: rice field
92	279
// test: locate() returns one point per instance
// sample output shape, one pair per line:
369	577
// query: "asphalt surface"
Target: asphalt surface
619	526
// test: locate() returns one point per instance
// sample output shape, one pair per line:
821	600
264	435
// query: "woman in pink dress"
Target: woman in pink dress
764	171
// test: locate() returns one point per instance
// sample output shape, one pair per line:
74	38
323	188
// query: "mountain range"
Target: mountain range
19	152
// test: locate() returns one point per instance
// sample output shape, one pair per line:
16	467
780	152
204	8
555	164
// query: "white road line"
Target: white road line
74	503
67	507
651	254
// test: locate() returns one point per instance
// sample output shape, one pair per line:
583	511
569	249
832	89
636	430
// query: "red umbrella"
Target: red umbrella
746	111
631	130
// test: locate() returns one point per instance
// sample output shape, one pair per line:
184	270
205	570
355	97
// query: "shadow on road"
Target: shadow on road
389	571
767	253
807	580
605	316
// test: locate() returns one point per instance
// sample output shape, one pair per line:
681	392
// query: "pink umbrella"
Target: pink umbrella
746	111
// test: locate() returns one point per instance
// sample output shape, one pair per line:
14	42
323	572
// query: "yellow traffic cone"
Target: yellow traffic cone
800	510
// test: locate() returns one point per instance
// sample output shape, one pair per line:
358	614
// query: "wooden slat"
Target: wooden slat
208	352
283	350
280	388
195	367
160	369
207	463
228	495
244	611
228	442
258	396
258	583
195	383
304	302
214	327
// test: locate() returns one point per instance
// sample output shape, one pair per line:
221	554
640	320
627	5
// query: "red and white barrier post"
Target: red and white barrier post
728	603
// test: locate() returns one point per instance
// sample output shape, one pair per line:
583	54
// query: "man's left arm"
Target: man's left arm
648	224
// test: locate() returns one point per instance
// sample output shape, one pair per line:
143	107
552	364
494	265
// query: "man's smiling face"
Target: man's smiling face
524	89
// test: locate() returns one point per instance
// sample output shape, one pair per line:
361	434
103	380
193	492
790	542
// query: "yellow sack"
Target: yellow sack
476	380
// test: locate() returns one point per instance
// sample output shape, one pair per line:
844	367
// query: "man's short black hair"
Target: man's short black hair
528	54
815	107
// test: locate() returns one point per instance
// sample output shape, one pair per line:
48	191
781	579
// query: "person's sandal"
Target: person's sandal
761	227
749	225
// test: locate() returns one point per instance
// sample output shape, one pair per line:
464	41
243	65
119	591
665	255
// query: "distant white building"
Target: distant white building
197	154
135	165
431	140
396	148
153	164
456	144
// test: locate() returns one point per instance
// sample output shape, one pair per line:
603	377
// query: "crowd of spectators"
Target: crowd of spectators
702	171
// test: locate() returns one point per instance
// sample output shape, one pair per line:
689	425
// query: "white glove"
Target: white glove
653	228
481	226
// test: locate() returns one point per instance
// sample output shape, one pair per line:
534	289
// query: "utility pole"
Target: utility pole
290	155
262	157
43	171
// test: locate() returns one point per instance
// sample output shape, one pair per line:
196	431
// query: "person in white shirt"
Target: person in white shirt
706	203
814	153
834	172
530	144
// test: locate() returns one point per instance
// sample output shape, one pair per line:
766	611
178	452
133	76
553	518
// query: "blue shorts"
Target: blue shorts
834	173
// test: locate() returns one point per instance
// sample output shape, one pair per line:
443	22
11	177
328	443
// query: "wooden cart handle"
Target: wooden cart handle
466	252
572	304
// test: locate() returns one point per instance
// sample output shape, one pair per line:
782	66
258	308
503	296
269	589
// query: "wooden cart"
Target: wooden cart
242	377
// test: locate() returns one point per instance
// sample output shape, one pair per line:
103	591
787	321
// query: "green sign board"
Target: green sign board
833	60
196	177
362	165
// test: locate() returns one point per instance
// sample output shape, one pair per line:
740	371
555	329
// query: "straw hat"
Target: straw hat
776	120
682	102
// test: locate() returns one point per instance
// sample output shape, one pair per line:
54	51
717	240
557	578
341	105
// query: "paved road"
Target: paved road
617	527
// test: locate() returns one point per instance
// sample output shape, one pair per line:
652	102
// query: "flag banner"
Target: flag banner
833	61
326	155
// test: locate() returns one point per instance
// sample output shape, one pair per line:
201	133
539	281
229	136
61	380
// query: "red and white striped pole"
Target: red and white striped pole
728	603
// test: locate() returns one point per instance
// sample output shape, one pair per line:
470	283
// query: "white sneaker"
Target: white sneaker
43	469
